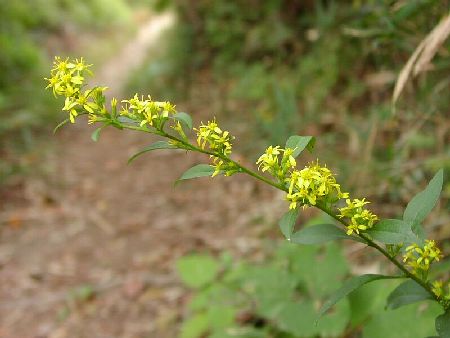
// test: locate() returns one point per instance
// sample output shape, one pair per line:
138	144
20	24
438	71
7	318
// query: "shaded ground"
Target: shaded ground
88	250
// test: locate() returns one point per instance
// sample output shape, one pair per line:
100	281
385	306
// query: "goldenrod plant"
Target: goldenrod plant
401	241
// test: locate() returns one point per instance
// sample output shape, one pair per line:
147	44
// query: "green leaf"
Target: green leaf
299	143
199	170
410	321
314	267
184	118
287	222
349	286
369	300
194	327
406	293
422	204
96	134
320	233
197	270
443	324
392	231
151	147
60	125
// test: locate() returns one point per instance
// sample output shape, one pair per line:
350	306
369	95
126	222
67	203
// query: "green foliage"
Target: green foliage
406	293
199	170
393	231
197	270
422	204
154	146
279	298
287	223
443	324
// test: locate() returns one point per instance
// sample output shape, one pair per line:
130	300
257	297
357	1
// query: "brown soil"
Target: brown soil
88	250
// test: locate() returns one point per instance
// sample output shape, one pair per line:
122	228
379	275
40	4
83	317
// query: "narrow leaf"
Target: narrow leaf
154	146
60	125
443	324
348	287
392	231
320	233
299	143
406	293
184	118
421	204
96	134
287	223
199	170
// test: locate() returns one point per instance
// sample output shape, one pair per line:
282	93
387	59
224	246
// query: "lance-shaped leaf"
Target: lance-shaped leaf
60	125
321	233
443	324
422	204
199	170
184	118
392	231
406	293
299	143
287	222
349	286
154	146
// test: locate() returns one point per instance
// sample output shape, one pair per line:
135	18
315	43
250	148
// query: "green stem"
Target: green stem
257	176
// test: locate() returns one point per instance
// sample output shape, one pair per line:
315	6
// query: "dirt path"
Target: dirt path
89	250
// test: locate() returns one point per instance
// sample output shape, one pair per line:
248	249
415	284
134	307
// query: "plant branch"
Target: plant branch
243	169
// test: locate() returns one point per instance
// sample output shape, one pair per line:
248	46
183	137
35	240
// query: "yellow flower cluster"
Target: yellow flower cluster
216	139
360	218
270	161
219	141
311	185
420	258
438	289
148	112
67	79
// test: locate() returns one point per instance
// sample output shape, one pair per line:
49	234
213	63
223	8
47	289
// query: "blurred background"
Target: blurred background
92	247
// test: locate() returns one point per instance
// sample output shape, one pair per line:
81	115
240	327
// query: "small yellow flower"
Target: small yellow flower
437	288
211	136
361	219
312	184
420	258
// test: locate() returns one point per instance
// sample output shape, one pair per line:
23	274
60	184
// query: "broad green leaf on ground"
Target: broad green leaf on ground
410	321
297	318
270	286
369	300
154	146
315	267
299	143
220	316
406	293
422	204
348	287
194	327
287	222
443	325
197	270
184	118
335	322
240	332
199	170
392	231
320	233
